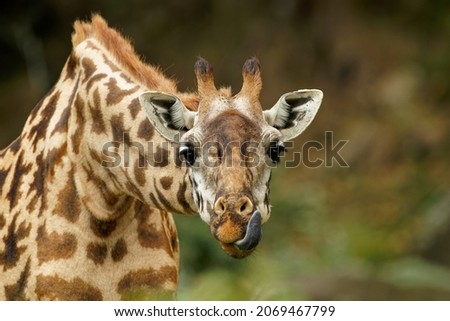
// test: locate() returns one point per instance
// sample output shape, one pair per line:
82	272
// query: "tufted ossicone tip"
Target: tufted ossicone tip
252	82
205	78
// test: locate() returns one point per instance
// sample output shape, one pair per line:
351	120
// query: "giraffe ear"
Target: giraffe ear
294	112
167	113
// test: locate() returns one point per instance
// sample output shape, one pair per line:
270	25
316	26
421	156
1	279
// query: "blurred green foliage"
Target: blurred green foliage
379	229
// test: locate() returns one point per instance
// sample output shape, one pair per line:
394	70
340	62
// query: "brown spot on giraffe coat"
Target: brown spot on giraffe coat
2	221
12	251
20	171
102	228
145	130
119	250
61	125
110	64
116	94
139	172
126	78
39	177
148	235
3	175
56	288
134	189
38	131
16	291
71	66
166	182
55	156
98	123
163	200
14	147
94	79
148	279
134	107
89	68
118	127
68	205
160	157
80	121
54	246
97	252
32	204
182	198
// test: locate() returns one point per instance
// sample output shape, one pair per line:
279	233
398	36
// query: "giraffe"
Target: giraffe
88	189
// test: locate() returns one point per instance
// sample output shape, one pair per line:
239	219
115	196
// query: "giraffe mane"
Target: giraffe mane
125	55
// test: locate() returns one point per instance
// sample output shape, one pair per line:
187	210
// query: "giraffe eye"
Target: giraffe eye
187	154
276	149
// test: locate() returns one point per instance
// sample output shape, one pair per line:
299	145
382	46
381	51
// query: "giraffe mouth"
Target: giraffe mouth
246	245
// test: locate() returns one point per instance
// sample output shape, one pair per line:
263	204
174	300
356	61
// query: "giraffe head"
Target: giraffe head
229	147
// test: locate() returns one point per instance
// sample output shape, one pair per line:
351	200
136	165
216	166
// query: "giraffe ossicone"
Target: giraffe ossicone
76	226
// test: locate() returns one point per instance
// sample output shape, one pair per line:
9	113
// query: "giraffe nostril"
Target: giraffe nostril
220	206
246	206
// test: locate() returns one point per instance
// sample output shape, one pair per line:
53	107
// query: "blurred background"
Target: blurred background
378	229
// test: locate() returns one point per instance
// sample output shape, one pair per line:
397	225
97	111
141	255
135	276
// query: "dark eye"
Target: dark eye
187	153
276	149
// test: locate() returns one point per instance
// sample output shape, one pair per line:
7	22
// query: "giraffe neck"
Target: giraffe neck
83	224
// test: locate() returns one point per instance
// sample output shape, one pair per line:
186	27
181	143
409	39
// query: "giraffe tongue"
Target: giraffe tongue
252	235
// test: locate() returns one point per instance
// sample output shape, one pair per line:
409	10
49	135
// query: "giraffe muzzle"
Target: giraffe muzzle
237	240
253	233
236	224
